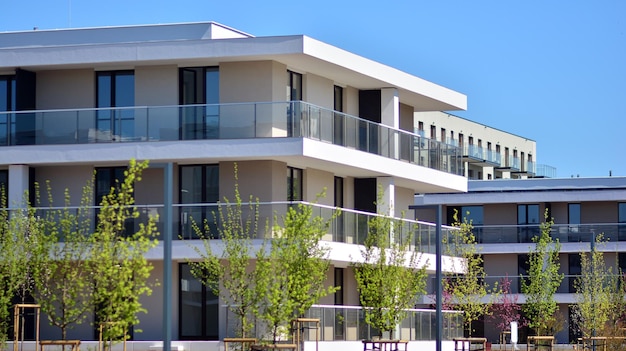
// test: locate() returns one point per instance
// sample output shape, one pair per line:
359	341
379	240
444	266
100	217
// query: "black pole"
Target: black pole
438	277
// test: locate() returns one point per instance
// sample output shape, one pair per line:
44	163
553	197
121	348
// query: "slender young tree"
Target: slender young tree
235	270
506	309
62	275
20	231
465	288
597	290
294	271
388	276
121	271
543	280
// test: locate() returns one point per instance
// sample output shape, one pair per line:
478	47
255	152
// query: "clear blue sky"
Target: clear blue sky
552	71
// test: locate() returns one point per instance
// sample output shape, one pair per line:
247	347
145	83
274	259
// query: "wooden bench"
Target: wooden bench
538	342
75	344
243	341
257	347
468	344
384	345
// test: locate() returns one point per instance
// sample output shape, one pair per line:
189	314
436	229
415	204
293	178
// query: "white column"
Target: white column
390	116
18	186
387	191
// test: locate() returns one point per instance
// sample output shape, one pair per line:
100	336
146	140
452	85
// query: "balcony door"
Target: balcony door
199	184
115	89
200	89
528	222
7	103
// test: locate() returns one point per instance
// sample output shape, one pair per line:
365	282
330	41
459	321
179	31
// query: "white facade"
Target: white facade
204	96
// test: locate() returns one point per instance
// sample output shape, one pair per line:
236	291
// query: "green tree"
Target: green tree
388	276
543	280
235	269
294	271
19	232
599	292
465	287
121	270
61	265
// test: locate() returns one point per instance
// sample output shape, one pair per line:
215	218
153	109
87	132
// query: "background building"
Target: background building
506	214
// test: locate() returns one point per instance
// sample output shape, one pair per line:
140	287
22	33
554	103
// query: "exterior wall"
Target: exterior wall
266	180
73	178
252	81
500	214
351	106
404	199
316	181
318	90
406	117
66	89
156	85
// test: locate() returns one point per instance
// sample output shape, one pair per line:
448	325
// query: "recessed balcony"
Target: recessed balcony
224	121
565	233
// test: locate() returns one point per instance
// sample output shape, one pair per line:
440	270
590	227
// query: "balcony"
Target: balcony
224	121
545	171
347	323
346	226
477	155
523	234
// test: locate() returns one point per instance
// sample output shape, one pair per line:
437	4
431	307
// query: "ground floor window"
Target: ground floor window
198	308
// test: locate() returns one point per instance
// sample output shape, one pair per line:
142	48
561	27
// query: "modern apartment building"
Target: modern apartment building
488	153
506	214
295	114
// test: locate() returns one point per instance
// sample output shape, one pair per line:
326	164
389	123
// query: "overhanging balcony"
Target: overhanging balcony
523	234
224	121
477	155
345	225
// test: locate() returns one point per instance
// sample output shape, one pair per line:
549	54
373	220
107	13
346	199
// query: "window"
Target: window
294	184
7	103
443	135
574	269
528	222
339	119
339	301
115	89
339	202
199	184
294	93
199	86
473	214
198	308
4	187
621	220
108	178
522	271
433	132
573	219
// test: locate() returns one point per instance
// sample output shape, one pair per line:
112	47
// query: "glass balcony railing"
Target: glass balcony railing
523	234
224	121
545	171
567	285
347	323
190	221
530	167
474	151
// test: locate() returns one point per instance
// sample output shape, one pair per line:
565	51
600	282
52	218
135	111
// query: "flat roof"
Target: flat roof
209	43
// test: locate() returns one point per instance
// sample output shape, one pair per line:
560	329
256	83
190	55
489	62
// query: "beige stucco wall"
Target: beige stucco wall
66	89
156	85
406	117
404	199
318	90
73	178
351	105
266	180
316	181
252	81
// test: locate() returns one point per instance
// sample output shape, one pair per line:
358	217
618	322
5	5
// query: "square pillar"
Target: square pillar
18	186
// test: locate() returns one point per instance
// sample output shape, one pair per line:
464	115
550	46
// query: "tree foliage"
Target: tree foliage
599	292
19	232
121	270
464	288
235	269
543	280
62	274
294	271
389	278
505	308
